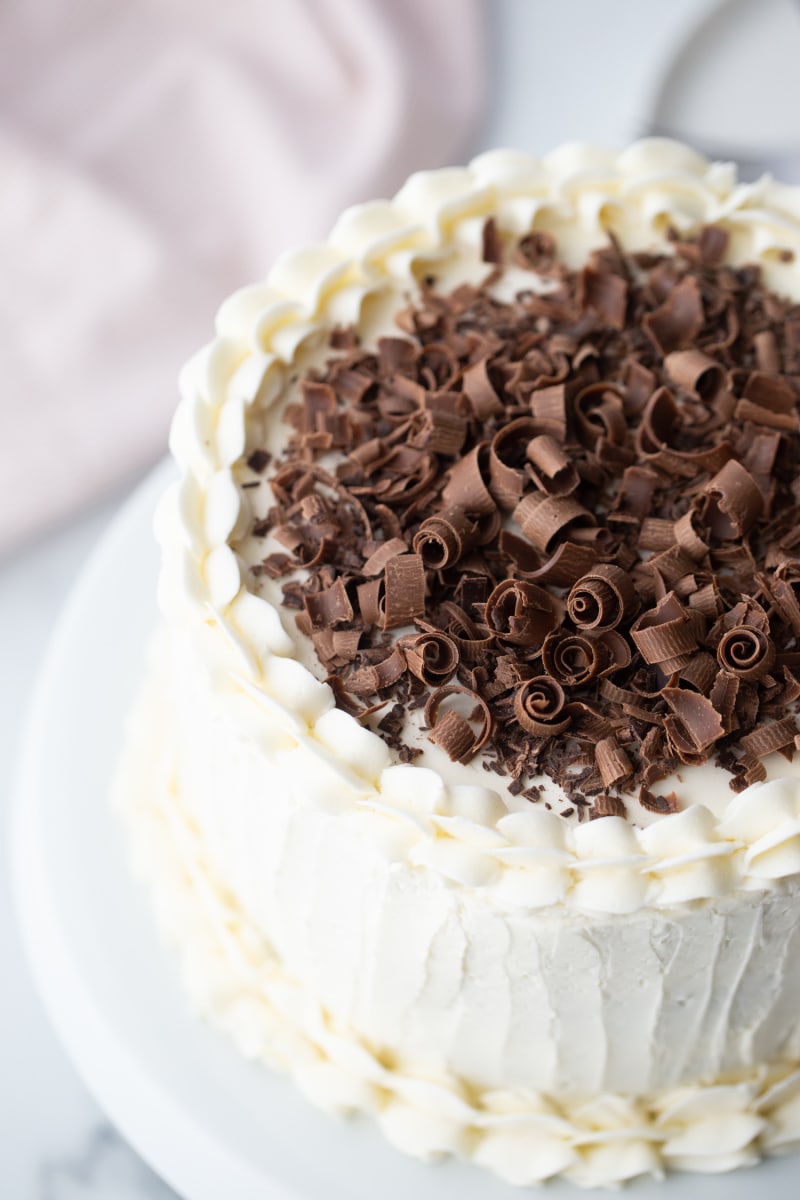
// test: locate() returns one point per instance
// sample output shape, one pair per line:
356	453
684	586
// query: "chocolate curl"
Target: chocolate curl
408	472
606	806
785	599
673	569
617	651
612	762
370	601
471	643
639	385
450	731
707	600
346	642
507	460
694	371
438	431
667	635
749	770
767	739
437	366
491	242
397	356
550	468
723	696
539	707
466	488
605	293
572	659
700	673
549	408
701	722
599	414
746	410
731	502
545	519
568	562
444	538
766	391
746	652
329	607
768	356
678	320
636	494
377	561
346	702
602	599
688	538
659	426
479	390
404	596
522	613
431	657
366	681
656	534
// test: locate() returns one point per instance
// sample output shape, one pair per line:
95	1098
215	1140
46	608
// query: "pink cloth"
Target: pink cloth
156	155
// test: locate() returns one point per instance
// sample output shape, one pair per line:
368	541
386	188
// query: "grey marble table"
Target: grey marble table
54	1142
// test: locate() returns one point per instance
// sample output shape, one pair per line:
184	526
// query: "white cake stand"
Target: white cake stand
213	1125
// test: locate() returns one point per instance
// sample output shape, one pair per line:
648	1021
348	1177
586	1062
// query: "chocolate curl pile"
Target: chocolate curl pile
564	526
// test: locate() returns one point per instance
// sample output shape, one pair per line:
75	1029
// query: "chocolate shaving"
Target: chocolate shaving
612	762
766	739
658	804
405	591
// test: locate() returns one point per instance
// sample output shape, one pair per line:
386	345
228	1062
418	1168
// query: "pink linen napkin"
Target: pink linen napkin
156	155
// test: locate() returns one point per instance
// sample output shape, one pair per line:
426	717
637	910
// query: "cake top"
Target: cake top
561	525
653	199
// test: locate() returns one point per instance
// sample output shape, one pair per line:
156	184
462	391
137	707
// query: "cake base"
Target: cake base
207	1120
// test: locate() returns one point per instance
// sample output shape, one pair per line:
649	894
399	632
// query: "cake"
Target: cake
463	772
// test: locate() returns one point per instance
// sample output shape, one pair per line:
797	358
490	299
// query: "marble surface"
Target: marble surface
54	1142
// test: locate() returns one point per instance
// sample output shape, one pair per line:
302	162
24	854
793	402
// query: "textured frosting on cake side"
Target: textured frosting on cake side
535	1042
597	999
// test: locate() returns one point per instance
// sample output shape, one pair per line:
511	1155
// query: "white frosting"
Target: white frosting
537	1046
596	1000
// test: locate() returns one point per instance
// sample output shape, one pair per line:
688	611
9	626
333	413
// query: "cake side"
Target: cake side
388	992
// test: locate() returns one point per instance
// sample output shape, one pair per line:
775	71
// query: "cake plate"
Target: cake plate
211	1123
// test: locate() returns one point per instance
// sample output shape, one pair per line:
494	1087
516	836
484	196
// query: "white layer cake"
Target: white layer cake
546	996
